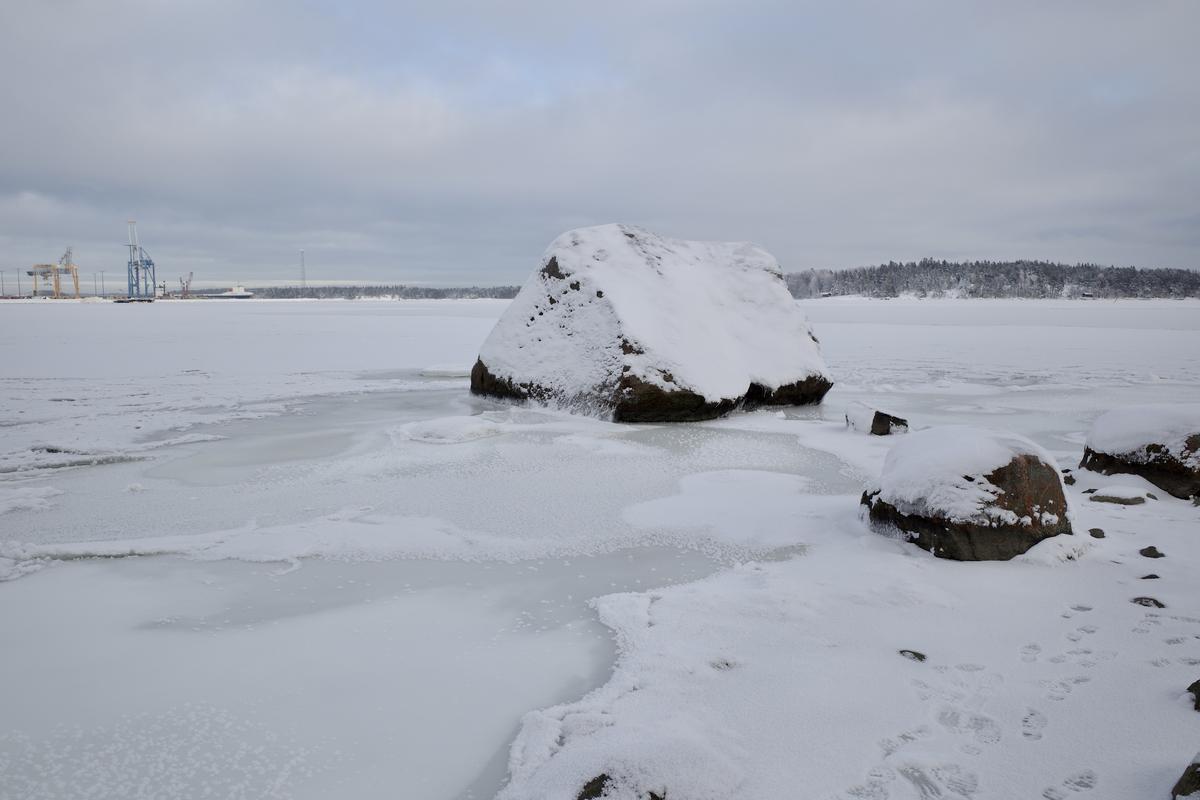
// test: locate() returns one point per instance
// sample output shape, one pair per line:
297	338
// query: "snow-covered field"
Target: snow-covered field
275	549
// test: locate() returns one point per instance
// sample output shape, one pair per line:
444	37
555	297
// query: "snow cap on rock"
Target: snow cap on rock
1132	429
941	472
617	314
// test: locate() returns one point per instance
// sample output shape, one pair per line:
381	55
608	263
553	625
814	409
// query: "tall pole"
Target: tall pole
2	283
303	276
95	286
18	283
102	291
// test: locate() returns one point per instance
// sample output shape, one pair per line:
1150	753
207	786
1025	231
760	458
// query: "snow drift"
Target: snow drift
624	322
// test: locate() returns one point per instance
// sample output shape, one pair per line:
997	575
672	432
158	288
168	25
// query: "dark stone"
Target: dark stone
1152	552
1121	501
883	424
1069	480
1026	482
551	269
1089	491
1149	602
637	401
1150	577
1096	533
1195	690
914	655
1188	785
1155	464
594	789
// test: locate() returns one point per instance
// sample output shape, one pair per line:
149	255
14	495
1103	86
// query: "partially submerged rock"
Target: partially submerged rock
1096	533
1161	443
595	788
1195	692
1152	552
1189	783
1149	602
619	321
913	655
861	417
969	494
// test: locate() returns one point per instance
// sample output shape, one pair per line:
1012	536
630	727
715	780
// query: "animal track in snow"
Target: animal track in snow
894	743
1030	652
1032	724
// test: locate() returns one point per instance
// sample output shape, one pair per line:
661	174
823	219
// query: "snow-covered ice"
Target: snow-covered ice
345	576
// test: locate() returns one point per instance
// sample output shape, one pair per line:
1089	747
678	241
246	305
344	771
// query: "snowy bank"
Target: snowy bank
619	320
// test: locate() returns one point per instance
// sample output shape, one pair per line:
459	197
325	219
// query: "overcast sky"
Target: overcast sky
448	142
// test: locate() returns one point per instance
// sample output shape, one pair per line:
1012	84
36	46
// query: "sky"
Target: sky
448	143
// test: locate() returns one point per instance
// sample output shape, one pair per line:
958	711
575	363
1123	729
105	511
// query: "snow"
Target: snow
711	317
1128	431
26	498
348	578
939	472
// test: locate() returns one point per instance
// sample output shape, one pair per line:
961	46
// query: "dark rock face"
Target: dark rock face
594	789
1195	690
885	424
1096	533
1026	482
1152	552
637	401
1155	464
1188	785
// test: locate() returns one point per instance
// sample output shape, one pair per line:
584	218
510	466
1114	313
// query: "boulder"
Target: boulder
861	417
1161	443
1188	785
621	322
1195	692
969	494
1119	495
1152	552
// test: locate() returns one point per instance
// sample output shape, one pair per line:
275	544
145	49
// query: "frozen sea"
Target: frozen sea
275	549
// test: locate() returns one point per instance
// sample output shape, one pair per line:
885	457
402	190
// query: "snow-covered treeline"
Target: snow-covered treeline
996	279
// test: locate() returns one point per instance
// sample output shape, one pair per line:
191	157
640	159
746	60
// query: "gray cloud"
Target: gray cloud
449	146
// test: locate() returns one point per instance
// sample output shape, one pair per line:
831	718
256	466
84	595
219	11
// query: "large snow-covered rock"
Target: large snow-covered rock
1161	443
620	321
969	494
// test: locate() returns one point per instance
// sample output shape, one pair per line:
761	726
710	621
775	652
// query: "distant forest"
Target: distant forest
995	279
925	278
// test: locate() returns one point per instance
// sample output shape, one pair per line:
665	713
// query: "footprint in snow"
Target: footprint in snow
942	781
1030	652
982	728
894	743
1032	724
1080	782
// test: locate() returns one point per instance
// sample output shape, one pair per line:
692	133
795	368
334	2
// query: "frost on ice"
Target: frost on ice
624	322
970	494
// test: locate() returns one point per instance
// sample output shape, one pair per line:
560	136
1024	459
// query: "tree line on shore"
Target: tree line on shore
931	278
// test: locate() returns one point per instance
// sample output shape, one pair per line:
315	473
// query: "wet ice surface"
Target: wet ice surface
400	571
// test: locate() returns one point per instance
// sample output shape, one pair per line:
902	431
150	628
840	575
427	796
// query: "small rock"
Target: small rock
913	655
1152	552
1152	495
1097	533
1189	782
1069	480
1089	491
1119	500
1150	577
1195	690
594	789
1149	602
861	417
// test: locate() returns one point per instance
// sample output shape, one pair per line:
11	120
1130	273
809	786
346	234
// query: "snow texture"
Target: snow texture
939	472
1127	432
709	317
